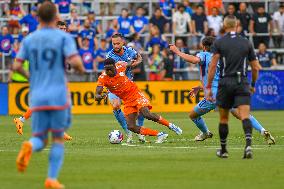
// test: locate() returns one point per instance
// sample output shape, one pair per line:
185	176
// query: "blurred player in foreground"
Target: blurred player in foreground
129	55
115	80
46	49
205	106
20	121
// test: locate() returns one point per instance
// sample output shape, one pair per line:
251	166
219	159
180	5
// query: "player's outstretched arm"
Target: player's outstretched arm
137	61
77	64
187	57
211	74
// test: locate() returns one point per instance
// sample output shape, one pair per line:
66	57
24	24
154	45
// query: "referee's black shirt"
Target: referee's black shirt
234	52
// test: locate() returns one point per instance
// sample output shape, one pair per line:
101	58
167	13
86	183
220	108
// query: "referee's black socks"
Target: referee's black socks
247	126
223	133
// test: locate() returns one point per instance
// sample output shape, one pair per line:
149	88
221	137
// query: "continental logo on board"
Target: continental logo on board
164	96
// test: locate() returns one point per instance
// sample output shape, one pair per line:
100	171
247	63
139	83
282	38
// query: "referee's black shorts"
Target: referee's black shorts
232	94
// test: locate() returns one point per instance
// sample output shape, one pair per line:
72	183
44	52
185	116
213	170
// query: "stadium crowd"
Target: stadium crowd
149	35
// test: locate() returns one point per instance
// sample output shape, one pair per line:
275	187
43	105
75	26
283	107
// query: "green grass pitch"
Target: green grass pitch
92	163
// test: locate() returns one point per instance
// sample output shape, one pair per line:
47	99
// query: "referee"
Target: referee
233	52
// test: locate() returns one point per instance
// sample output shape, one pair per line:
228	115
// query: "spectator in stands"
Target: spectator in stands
265	58
181	21
168	7
15	76
244	18
231	10
155	39
278	18
215	21
114	28
210	4
188	9
6	44
23	34
87	32
95	24
135	42
107	8
74	23
180	65
100	54
167	72
261	23
30	20
124	22
87	55
63	7
199	26
16	12
211	32
139	23
155	62
160	21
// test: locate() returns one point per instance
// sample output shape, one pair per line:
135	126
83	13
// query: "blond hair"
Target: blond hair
230	22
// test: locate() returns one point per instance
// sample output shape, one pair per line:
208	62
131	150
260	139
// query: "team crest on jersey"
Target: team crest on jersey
5	44
87	57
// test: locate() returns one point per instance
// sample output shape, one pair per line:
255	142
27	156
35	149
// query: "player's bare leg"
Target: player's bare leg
244	112
131	123
20	124
159	119
256	125
223	132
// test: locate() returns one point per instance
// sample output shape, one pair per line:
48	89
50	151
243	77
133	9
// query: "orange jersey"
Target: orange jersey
120	84
213	3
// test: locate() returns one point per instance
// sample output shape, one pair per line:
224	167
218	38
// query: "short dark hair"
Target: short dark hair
207	42
200	6
61	23
109	61
181	6
117	35
47	12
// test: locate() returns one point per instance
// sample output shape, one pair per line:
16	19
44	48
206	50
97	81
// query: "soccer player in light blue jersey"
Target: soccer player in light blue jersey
203	59
47	49
129	55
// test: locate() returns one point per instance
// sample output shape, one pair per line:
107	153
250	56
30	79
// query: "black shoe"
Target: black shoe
248	153
221	154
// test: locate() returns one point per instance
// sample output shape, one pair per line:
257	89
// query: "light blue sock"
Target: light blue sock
121	119
140	120
37	143
256	125
199	122
56	156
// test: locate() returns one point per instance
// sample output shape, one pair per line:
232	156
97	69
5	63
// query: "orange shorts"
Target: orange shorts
134	106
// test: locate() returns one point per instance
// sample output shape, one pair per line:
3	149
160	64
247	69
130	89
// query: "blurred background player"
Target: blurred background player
20	121
46	49
205	106
129	55
115	79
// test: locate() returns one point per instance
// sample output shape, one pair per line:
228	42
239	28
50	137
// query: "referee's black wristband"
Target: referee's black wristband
252	84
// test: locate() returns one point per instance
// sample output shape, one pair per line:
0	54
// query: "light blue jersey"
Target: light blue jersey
128	55
46	50
205	59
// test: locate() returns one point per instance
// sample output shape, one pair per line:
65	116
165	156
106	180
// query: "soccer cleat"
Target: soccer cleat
53	184
19	125
269	138
141	138
248	153
203	136
161	137
221	154
129	138
24	156
176	129
67	137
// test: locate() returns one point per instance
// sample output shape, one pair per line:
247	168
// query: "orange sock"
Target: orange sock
148	131
27	114
164	121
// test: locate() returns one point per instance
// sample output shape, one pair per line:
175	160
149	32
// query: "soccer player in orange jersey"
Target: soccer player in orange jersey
20	123
135	102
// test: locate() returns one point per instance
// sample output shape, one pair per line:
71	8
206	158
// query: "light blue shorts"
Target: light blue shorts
204	106
112	96
55	121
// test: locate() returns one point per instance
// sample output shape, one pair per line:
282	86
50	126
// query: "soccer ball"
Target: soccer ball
115	137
